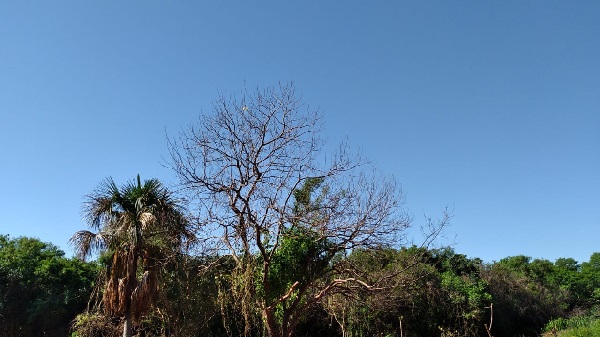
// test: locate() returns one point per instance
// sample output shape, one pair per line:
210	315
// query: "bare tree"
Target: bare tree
279	207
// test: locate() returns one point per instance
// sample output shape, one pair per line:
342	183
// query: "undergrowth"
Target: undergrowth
579	326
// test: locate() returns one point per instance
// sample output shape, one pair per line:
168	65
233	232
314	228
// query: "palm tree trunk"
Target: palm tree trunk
130	282
128	324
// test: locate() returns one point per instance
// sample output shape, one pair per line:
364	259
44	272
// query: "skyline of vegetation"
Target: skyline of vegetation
268	234
529	296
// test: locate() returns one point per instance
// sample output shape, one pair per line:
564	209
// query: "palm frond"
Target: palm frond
86	243
97	210
147	219
143	227
100	205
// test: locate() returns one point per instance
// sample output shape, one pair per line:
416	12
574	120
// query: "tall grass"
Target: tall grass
579	326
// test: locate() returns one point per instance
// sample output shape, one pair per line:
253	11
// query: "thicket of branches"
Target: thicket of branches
434	292
284	214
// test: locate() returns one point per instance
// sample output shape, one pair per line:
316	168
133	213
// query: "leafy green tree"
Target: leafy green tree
568	264
139	227
526	295
463	294
417	292
303	257
567	276
590	274
41	291
446	259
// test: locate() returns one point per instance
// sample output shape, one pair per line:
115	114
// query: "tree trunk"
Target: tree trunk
130	281
127	325
273	329
276	329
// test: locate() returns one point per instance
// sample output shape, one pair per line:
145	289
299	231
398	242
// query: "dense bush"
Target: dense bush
41	291
413	292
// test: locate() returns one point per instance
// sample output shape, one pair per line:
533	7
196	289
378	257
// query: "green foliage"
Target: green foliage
416	291
41	291
422	293
302	257
578	326
569	323
94	325
303	196
442	293
593	330
465	294
590	275
446	259
528	293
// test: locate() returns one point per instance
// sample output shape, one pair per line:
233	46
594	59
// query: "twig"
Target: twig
489	328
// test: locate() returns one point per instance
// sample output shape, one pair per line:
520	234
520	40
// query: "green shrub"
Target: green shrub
579	326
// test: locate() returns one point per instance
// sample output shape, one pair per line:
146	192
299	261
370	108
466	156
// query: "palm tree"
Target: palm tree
138	228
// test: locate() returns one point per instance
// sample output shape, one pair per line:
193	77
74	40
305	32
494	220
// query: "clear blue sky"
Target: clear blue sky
491	108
